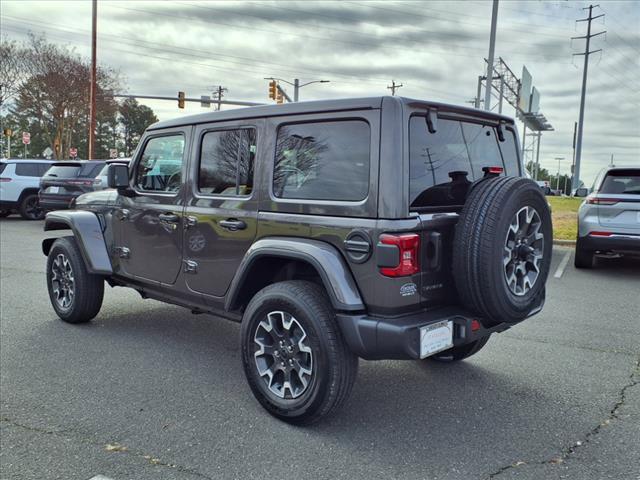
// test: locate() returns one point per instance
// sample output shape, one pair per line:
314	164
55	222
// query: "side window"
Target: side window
226	162
160	167
323	161
27	169
42	168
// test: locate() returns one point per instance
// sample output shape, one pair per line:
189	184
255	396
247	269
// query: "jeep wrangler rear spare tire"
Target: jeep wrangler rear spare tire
295	360
502	249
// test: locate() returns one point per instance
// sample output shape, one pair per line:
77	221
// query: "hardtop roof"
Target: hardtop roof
318	106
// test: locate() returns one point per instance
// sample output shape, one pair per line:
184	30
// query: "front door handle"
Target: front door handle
232	224
169	218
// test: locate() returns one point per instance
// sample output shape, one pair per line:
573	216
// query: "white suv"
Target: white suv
19	185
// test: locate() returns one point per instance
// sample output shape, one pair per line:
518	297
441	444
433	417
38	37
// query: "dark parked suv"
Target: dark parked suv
380	228
64	181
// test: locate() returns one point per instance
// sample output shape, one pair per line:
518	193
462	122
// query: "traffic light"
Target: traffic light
279	97
180	99
273	90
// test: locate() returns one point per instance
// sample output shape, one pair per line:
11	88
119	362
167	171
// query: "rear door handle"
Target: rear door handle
232	224
169	218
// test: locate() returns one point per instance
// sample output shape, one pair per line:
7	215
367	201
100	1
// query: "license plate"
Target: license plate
53	189
436	338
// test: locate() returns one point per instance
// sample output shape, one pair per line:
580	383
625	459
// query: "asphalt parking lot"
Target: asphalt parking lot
150	391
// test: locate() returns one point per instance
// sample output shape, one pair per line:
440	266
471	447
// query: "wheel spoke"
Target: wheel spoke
523	251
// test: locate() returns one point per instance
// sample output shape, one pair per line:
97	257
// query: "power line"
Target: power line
120	40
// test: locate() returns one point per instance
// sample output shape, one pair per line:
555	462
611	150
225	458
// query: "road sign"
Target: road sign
26	138
47	152
113	153
205	101
73	152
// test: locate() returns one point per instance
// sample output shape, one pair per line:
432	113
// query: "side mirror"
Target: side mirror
118	176
581	192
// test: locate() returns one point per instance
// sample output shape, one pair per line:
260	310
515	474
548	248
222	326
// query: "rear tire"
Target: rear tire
456	354
297	364
583	258
76	295
502	249
30	208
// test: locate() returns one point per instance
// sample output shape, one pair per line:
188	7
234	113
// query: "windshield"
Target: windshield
75	170
444	163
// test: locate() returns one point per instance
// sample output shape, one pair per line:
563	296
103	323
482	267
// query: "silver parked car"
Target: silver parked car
609	218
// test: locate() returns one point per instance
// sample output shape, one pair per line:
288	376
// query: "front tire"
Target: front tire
30	208
297	364
5	213
76	295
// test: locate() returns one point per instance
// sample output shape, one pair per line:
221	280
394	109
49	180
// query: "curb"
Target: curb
564	243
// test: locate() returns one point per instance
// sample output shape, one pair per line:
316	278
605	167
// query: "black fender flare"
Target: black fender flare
325	258
87	231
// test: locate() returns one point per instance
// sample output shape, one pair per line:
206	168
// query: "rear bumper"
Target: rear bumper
374	338
615	242
55	202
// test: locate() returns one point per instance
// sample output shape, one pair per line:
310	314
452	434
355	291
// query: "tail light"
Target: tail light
492	170
602	201
86	183
5	179
408	245
600	234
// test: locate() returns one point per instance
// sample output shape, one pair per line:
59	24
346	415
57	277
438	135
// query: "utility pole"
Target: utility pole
218	94
479	91
587	52
558	181
492	47
92	93
611	163
393	87
573	159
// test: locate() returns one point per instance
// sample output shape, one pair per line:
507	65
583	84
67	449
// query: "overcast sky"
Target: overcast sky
435	49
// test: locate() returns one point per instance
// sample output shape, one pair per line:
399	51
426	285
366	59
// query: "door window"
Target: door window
160	167
226	162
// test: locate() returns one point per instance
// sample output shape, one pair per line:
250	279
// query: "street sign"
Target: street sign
205	101
113	153
73	152
47	152
26	138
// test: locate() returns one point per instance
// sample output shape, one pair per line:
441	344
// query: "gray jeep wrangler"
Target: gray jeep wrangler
380	228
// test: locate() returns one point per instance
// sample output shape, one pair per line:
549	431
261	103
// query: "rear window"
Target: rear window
2	167
622	181
442	164
74	170
323	161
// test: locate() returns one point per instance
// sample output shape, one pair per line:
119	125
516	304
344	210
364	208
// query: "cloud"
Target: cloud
434	49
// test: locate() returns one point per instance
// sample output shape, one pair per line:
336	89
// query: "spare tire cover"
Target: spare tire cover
502	249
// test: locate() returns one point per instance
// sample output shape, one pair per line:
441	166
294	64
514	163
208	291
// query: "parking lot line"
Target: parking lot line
562	265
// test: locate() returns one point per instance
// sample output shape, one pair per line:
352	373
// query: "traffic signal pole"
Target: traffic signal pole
186	99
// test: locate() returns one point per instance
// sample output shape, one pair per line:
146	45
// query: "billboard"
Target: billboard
524	95
534	104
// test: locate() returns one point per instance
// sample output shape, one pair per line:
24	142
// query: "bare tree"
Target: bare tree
13	69
56	94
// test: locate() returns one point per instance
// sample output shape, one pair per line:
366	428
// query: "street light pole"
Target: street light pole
492	47
296	85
